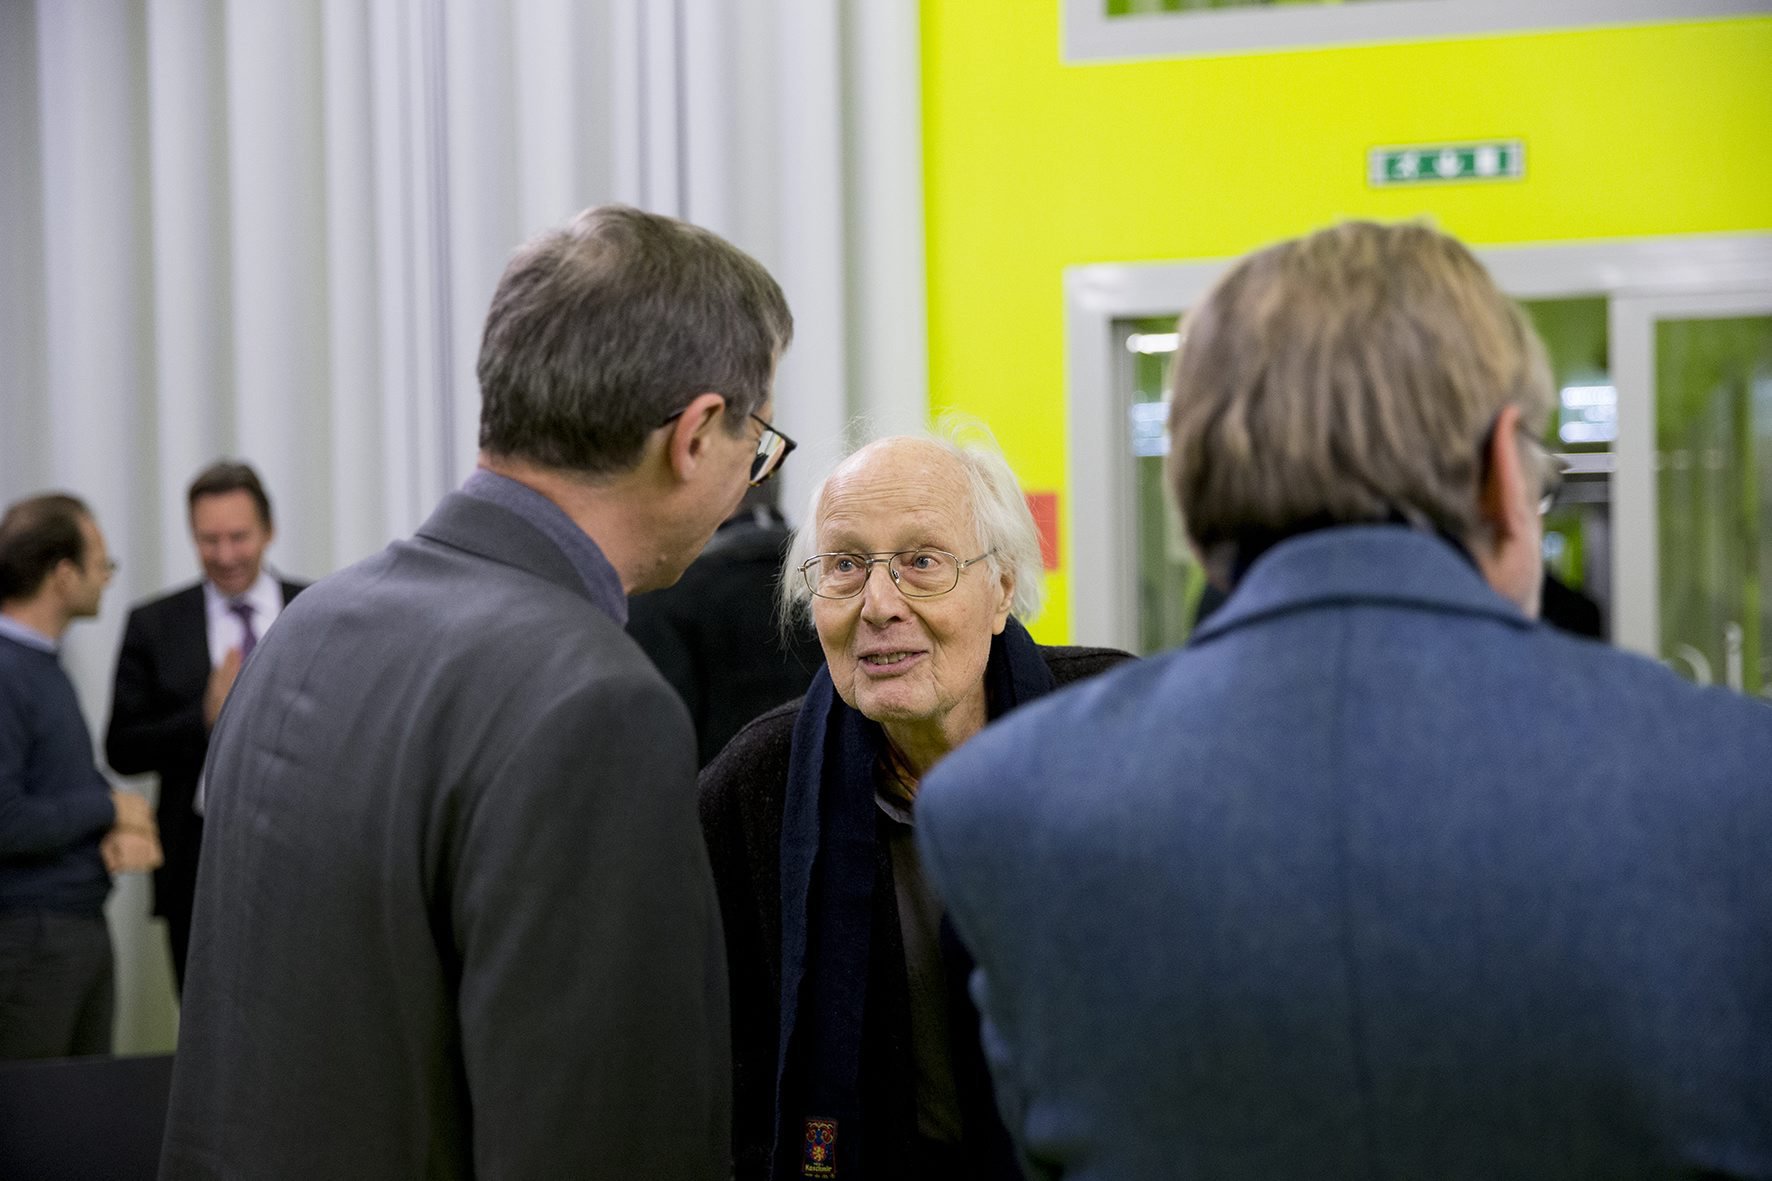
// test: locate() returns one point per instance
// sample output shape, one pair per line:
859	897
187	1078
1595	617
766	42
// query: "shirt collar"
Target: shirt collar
262	594
30	637
600	578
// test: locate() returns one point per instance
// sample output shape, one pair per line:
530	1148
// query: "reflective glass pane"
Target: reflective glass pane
1172	589
1170	582
1713	423
1582	428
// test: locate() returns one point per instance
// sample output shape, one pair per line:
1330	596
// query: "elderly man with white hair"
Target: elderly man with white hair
856	1048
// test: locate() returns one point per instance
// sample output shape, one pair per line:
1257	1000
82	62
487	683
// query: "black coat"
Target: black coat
157	726
714	634
742	794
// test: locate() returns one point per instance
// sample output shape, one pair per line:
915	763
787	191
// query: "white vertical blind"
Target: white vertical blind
270	229
353	451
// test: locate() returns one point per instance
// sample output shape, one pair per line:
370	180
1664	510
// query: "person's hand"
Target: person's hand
133	844
130	850
221	683
133	812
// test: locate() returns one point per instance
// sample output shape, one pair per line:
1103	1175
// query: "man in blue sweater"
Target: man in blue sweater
63	831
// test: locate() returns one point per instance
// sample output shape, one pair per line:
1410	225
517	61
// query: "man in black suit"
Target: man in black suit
455	916
180	655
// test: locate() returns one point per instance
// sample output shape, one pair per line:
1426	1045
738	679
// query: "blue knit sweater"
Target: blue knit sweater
54	803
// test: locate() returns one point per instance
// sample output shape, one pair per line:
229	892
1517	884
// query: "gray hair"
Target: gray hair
1346	376
1001	520
602	329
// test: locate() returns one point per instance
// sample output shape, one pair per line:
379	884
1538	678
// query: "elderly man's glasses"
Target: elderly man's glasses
772	448
917	573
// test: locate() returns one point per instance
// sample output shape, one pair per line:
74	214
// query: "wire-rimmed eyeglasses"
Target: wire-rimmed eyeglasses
917	573
773	447
1553	468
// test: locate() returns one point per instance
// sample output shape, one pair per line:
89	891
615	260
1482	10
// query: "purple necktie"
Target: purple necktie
248	638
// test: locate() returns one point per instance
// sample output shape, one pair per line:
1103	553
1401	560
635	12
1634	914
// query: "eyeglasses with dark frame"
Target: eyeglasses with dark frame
773	448
917	573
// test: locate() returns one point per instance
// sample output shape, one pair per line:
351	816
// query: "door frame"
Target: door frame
1631	330
1629	273
1089	34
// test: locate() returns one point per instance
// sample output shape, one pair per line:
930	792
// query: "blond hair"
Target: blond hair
1346	376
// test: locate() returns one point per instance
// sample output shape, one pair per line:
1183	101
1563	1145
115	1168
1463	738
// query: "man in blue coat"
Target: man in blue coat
1379	877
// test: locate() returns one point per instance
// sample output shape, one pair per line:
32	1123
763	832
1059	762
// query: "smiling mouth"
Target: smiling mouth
887	660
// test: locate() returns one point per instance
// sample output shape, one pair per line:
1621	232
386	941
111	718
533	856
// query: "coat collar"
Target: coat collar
496	533
1389	564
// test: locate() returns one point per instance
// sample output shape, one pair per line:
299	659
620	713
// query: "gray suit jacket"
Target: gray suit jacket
1377	878
454	914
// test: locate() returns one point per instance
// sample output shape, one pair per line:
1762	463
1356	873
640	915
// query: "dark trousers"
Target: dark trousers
57	992
175	884
178	938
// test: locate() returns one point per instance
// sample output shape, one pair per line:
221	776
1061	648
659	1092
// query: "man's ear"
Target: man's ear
1005	601
692	433
1505	501
65	577
1507	547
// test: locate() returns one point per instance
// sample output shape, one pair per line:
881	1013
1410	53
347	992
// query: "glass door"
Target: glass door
1171	589
1169	582
1697	571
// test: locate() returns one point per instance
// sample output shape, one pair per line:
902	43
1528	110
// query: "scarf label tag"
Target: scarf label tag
820	1158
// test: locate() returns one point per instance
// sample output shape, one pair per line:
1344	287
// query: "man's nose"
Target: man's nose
881	598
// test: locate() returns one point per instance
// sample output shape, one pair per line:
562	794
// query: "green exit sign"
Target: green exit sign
1438	163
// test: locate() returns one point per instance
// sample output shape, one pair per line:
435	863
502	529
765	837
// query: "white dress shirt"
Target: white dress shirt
226	632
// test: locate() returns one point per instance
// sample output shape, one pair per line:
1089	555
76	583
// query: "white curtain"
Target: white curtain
270	228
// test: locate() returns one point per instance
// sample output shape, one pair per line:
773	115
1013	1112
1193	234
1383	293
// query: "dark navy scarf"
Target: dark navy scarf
828	834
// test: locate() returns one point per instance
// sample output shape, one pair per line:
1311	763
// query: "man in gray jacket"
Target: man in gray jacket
454	917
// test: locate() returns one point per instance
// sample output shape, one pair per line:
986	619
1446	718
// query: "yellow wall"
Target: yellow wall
1033	166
